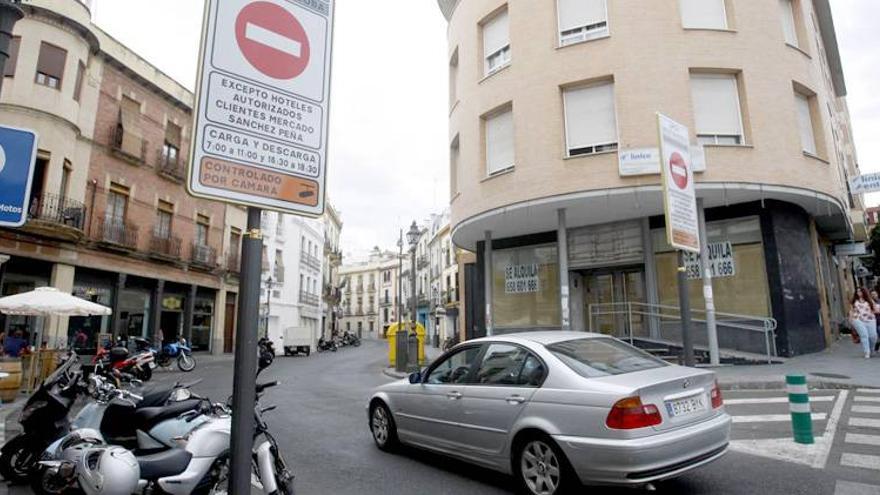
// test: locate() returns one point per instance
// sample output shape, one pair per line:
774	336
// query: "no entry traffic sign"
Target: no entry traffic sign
679	194
678	168
260	136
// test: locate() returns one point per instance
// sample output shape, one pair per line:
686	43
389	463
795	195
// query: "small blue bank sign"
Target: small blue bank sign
18	153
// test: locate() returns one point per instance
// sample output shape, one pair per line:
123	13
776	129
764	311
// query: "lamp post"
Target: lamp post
400	281
413	237
10	13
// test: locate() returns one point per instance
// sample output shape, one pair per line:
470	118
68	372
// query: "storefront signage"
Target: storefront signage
521	279
866	183
646	161
172	303
18	154
721	262
262	105
679	194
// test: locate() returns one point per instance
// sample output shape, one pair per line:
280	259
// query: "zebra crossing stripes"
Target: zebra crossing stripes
850	488
862	439
864	422
864	398
860	461
866	409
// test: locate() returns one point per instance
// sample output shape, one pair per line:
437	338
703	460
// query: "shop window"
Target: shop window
590	120
50	65
717	111
80	76
703	14
499	130
526	287
496	43
582	20
12	61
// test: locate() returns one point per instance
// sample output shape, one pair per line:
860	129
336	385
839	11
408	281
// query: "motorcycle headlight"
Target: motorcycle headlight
180	395
31	409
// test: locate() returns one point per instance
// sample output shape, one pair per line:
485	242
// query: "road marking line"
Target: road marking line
274	40
863	439
875	391
827	440
850	488
770	418
865	422
860	461
866	409
863	399
773	400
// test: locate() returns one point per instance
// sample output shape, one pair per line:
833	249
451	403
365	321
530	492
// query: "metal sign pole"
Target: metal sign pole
708	293
685	308
244	394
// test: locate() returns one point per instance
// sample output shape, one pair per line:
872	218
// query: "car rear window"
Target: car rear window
602	357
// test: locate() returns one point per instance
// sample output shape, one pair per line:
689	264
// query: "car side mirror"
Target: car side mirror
415	378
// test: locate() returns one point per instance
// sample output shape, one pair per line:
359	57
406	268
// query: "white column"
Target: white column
487	282
219	321
562	255
711	329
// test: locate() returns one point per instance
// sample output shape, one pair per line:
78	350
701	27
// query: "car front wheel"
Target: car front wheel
383	428
542	469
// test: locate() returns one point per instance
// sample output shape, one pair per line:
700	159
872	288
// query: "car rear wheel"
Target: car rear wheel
541	468
383	428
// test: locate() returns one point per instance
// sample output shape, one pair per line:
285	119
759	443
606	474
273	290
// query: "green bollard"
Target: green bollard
799	405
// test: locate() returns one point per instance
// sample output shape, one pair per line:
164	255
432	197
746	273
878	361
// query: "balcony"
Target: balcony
371	288
421	262
310	261
165	247
309	299
127	147
203	257
172	169
52	215
450	297
233	263
384	303
115	234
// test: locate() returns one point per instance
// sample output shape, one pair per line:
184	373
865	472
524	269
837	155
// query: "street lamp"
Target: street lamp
413	238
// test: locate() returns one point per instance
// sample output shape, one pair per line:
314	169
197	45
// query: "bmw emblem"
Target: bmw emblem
686	384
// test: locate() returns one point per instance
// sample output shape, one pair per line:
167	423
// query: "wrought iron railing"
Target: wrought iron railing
117	232
233	263
310	261
54	208
203	255
164	245
309	299
174	169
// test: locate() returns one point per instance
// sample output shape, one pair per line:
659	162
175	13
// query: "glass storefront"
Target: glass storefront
525	288
203	314
740	282
84	331
134	313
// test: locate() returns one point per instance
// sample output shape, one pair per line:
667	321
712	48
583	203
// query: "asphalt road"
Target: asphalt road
321	424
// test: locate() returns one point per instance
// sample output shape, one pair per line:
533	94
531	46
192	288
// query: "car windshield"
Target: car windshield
602	357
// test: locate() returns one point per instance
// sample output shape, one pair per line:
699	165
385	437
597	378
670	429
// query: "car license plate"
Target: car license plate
688	405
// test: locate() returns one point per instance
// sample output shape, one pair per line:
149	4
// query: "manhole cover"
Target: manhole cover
831	375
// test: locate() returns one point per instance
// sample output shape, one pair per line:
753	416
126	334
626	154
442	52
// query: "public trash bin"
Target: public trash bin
393	347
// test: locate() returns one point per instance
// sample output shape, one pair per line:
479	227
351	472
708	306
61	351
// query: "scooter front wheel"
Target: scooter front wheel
186	362
19	458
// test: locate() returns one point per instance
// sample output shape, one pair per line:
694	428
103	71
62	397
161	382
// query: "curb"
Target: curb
392	373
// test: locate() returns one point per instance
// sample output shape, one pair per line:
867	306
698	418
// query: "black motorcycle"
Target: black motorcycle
327	345
351	339
43	420
267	349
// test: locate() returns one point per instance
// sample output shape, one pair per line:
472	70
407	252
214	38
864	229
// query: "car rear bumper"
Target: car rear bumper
644	460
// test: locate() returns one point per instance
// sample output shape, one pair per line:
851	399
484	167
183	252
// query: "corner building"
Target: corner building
555	179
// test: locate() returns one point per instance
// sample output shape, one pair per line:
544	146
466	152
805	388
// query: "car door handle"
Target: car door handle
453	395
515	399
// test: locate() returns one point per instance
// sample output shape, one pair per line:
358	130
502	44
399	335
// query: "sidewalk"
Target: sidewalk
431	353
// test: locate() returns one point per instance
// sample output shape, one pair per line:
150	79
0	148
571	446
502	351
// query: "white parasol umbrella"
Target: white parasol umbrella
49	301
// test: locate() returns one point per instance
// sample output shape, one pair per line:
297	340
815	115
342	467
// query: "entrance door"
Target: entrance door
607	295
229	327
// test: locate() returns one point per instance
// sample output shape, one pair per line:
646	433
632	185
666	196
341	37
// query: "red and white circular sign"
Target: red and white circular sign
678	169
272	40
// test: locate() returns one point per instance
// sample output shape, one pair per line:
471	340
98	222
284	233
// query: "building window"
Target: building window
171	145
117	206
499	141
279	266
582	20
203	224
453	78
129	138
164	217
12	61
496	43
525	290
717	110
806	123
703	14
80	76
454	156
590	121
50	65
789	22
66	171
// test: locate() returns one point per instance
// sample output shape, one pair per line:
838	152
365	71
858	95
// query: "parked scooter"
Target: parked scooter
43	419
139	366
351	339
177	350
267	349
327	345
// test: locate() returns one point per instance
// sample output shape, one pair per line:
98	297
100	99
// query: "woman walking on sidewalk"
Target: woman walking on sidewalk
861	315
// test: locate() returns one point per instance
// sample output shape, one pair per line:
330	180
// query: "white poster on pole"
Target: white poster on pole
262	104
679	195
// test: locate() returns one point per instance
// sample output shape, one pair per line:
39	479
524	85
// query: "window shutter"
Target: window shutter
80	75
716	104
703	14
805	122
579	13
788	24
496	34
172	134
12	61
130	118
52	60
589	116
499	142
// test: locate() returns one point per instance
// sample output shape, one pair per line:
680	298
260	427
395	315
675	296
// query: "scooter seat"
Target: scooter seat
155	397
149	417
168	463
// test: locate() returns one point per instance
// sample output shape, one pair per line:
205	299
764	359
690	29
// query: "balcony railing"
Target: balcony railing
204	256
59	210
421	262
173	169
233	263
309	299
385	302
310	261
118	233
164	246
450	296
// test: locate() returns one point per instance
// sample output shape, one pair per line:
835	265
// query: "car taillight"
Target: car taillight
630	413
717	399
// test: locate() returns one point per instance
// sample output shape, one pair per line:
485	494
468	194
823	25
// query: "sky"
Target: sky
388	159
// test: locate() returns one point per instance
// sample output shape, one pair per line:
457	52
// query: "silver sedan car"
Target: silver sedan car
557	409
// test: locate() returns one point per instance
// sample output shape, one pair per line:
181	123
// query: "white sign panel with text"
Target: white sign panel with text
679	195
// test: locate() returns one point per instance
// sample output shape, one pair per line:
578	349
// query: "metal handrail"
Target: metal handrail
759	324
